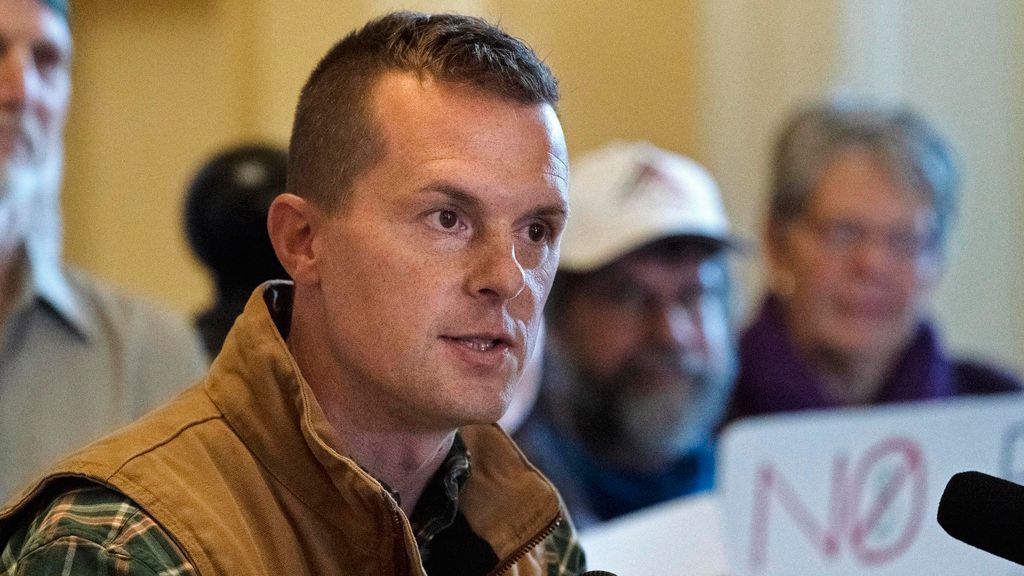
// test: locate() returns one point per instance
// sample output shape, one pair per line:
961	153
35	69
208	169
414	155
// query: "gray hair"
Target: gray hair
59	6
901	139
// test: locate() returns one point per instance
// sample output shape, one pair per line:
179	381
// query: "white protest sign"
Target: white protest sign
855	492
678	538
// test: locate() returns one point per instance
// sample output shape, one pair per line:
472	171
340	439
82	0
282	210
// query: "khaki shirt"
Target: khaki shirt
78	360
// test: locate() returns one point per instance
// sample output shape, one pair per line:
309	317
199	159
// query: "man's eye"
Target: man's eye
621	295
48	59
447	219
537	232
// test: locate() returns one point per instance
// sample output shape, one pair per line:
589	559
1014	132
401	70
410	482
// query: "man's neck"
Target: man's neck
13	223
12	277
380	442
404	462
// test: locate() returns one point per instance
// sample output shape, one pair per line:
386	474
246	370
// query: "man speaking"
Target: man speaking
346	426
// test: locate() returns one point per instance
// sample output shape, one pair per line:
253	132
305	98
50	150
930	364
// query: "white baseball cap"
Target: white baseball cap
629	194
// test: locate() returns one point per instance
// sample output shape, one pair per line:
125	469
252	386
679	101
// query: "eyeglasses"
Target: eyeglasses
843	237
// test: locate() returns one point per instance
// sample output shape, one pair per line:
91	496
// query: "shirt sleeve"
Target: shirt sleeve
93	531
563	554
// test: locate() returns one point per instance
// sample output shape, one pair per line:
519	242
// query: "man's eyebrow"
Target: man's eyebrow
460	196
556	210
455	194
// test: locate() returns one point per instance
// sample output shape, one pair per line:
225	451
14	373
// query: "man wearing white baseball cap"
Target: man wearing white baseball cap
640	358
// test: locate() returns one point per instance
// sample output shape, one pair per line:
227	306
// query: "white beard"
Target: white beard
30	203
18	185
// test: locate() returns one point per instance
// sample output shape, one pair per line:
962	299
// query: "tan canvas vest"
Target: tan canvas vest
236	469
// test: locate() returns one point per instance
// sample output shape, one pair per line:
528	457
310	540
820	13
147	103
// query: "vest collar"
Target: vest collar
258	386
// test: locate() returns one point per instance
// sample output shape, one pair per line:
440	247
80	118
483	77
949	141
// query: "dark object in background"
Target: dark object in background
985	512
226	224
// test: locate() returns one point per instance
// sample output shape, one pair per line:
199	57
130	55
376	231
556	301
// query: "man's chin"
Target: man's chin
481	410
664	385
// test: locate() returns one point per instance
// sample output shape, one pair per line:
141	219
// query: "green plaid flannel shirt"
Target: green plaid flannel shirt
96	531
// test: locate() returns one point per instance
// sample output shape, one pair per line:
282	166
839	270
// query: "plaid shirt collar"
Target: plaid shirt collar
439	504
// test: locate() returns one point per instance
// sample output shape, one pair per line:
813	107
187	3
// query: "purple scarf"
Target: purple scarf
774	378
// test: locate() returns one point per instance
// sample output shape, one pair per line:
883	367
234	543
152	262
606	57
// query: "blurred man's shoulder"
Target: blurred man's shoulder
141	328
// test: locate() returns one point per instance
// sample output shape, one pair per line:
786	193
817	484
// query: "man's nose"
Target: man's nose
15	78
675	326
496	271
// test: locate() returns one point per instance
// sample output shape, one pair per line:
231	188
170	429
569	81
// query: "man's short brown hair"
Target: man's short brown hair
335	138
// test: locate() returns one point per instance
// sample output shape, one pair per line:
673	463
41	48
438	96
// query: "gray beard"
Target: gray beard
30	205
656	426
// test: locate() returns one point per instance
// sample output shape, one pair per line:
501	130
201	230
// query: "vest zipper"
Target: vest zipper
399	560
400	554
525	548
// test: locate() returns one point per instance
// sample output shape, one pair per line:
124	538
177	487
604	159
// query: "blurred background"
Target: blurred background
160	85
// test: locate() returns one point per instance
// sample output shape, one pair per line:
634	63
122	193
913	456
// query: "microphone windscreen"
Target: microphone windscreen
597	573
985	512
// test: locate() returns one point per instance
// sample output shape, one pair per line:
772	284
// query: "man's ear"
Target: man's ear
292	224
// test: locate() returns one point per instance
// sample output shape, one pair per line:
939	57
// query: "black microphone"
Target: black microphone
985	512
597	573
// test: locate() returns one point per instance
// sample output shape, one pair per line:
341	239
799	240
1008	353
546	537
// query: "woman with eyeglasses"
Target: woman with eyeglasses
861	204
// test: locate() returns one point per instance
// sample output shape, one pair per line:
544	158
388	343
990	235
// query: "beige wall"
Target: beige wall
155	89
627	69
162	84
